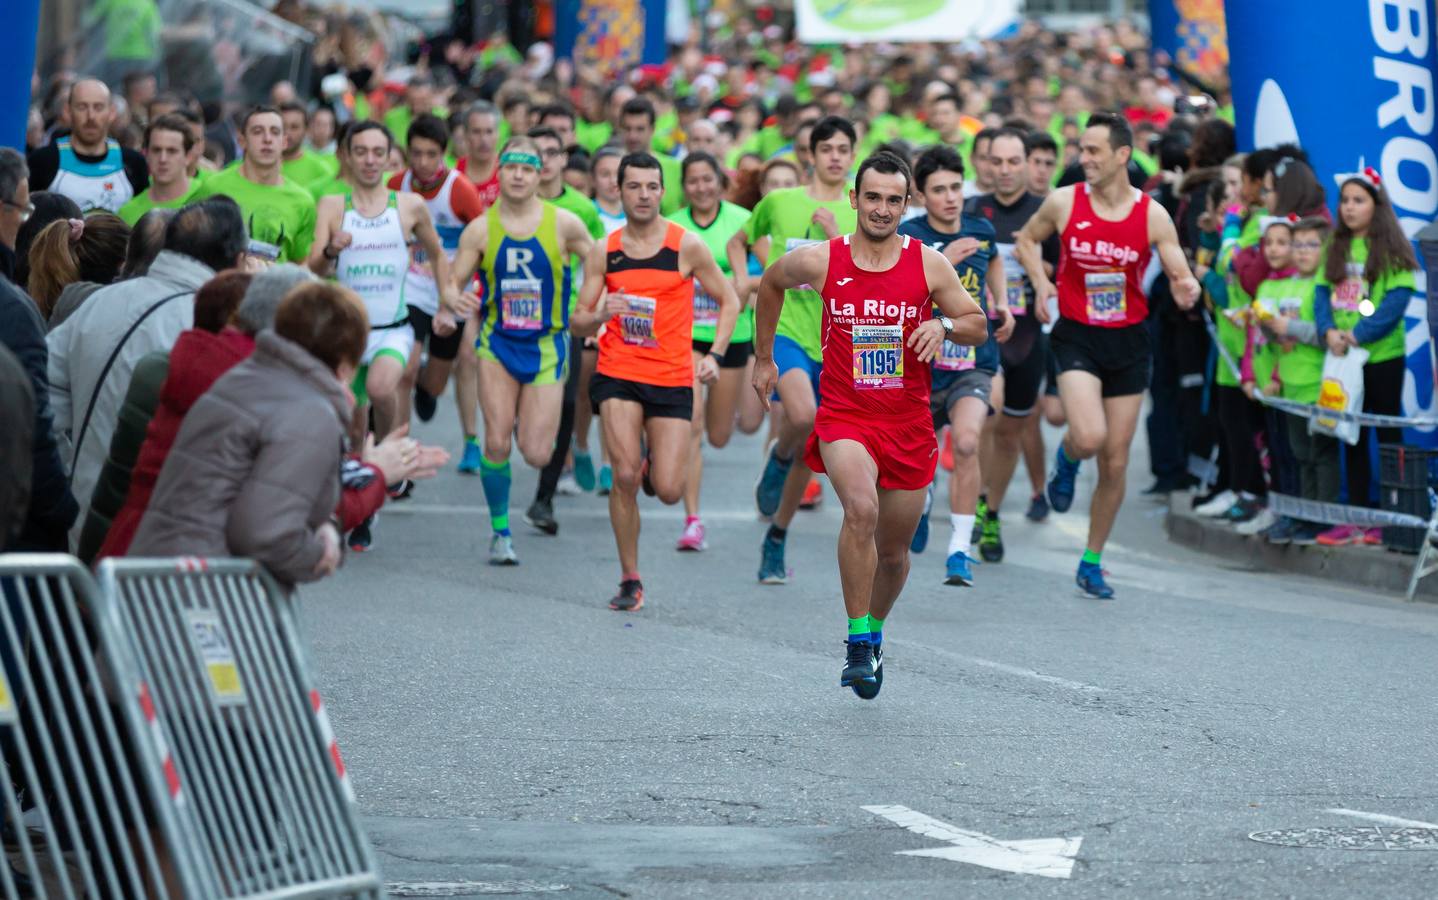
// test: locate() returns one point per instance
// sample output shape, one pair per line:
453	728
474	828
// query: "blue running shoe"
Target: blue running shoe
606	481
868	690
921	534
584	471
858	663
958	570
1061	482
1090	581
469	463
771	562
770	489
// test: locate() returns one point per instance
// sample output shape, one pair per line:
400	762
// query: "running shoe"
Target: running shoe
771	562
501	551
1306	534
567	486
1373	537
958	569
1340	536
770	488
425	403
981	512
1061	482
584	470
991	541
630	597
1090	581
946	450
858	663
1242	511
400	491
469	462
1263	520
866	690
1038	508
361	538
606	481
692	540
921	533
1216	505
540	516
813	494
1282	531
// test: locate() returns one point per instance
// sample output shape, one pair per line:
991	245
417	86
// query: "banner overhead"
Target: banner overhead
855	21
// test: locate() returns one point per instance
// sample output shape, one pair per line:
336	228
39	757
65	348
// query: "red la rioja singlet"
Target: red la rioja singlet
1102	264
869	369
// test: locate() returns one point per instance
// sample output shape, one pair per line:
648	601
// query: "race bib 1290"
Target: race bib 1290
1104	295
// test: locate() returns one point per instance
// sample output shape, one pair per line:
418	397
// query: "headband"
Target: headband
519	158
1368	176
1268	222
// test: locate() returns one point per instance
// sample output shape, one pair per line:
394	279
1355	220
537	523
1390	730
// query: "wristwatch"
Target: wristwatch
948	325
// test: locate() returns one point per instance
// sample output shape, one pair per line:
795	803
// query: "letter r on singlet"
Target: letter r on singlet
518	259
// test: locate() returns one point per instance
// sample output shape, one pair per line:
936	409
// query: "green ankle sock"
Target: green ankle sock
876	627
859	627
472	439
1090	557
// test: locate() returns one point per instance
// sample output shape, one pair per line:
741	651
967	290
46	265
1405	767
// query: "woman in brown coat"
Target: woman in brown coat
255	469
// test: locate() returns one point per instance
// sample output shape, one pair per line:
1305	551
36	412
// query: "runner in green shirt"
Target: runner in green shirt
297	163
168	142
636	131
792	218
280	214
714	220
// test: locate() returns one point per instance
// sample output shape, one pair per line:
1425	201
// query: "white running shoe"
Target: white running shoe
1258	524
501	551
1217	506
567	486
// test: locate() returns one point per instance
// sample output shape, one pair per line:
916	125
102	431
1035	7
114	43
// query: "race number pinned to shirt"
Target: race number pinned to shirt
1015	281
216	655
519	300
954	357
1290	306
7	701
1348	294
878	357
706	308
793	244
637	322
1104	292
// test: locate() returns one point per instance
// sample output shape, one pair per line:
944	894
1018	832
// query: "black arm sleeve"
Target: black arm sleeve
44	165
136	169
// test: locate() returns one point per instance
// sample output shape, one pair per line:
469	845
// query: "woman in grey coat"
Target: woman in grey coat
255	469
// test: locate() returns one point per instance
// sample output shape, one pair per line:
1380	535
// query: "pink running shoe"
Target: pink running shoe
692	540
1341	535
1373	537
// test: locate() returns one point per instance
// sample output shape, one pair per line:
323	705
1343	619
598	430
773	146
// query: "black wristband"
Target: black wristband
718	358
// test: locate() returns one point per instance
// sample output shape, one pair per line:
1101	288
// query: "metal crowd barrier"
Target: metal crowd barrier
163	737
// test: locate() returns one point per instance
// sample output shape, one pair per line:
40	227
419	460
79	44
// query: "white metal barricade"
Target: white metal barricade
225	695
78	794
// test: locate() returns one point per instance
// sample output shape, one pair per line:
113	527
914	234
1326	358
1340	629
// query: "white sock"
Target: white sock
963	530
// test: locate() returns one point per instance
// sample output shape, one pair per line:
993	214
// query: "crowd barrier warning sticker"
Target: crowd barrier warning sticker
7	701
216	656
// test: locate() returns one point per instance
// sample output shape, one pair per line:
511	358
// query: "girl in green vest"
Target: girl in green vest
1362	291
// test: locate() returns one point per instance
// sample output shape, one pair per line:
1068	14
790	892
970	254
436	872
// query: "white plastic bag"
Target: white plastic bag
1341	391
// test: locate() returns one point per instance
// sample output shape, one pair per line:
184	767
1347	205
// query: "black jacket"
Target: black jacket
52	507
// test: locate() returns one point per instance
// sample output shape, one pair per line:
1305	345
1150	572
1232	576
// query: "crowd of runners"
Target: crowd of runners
897	271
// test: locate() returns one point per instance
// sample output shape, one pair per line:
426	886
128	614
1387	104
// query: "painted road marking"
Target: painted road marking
1379	817
1003	667
1046	857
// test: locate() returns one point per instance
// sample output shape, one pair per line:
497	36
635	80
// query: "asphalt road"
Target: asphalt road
506	732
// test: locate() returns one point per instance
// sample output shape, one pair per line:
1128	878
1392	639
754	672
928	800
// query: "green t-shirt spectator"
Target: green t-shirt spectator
786	218
141	203
131	27
1346	301
593	135
280	217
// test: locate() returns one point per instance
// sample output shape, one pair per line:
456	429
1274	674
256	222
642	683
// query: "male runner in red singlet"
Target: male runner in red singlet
1106	229
873	433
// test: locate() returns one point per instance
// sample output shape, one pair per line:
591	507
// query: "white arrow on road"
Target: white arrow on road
1049	857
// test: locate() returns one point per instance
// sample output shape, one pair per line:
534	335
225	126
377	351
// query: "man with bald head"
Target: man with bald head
87	166
703	137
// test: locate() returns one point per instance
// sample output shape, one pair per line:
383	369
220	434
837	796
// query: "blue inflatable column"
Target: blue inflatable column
17	48
1353	83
